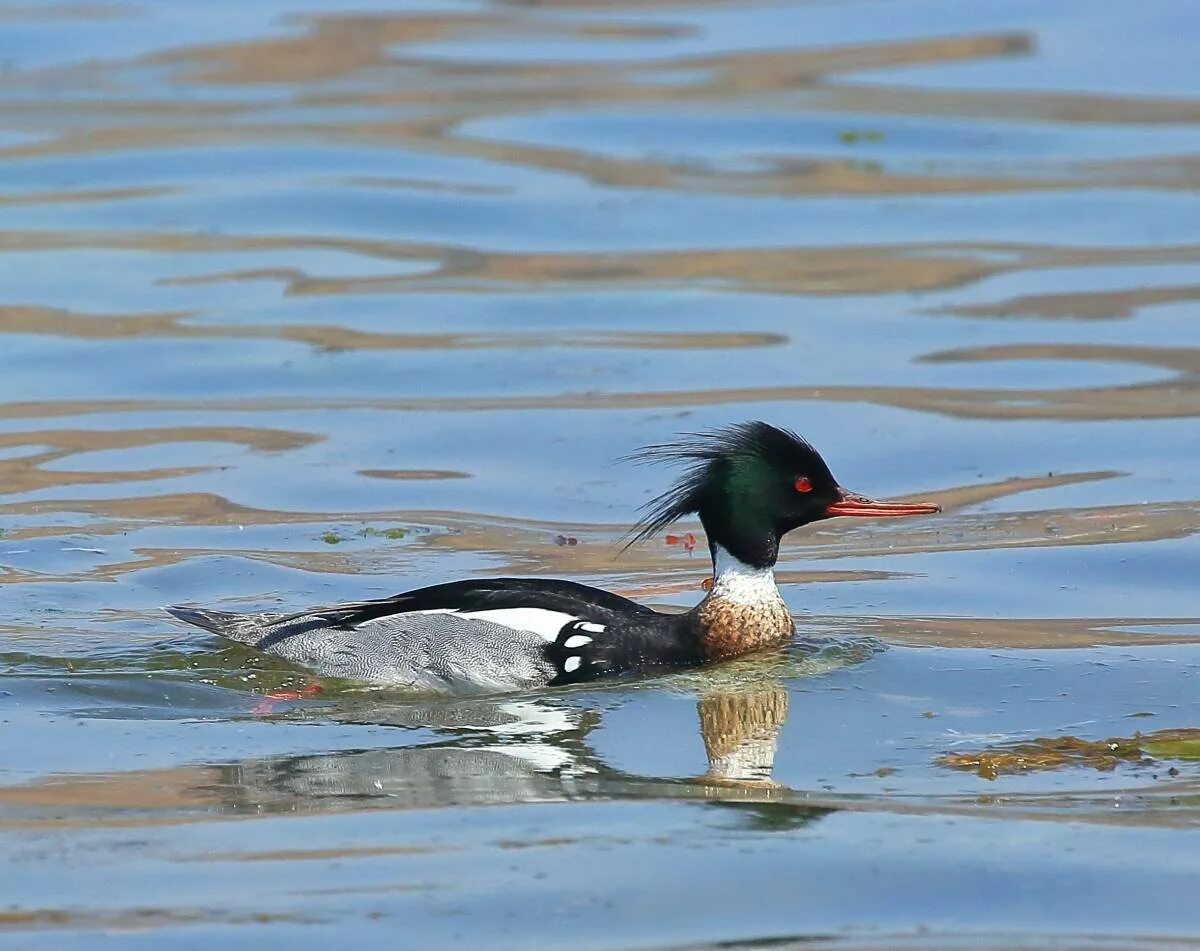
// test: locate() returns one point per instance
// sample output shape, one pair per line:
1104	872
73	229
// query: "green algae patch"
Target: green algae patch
334	537
1173	744
393	533
1046	753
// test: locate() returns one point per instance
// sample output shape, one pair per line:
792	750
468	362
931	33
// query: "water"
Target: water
303	305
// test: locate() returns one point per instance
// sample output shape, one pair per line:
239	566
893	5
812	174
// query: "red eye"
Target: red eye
803	484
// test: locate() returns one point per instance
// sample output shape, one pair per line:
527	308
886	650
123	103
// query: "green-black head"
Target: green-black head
751	484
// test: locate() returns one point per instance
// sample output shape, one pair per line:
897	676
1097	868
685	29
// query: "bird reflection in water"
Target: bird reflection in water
740	729
521	750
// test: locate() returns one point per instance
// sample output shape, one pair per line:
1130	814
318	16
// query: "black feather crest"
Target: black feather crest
704	452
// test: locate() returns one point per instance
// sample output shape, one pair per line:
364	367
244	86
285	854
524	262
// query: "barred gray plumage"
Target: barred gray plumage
423	651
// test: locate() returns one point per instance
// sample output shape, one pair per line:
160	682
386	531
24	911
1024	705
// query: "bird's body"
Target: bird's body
504	634
507	634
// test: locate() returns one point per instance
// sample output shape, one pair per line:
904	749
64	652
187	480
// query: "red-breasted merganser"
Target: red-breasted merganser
750	484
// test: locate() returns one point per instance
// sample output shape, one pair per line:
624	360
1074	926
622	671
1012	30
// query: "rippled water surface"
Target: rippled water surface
302	304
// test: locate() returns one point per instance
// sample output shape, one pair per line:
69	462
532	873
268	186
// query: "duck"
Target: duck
750	484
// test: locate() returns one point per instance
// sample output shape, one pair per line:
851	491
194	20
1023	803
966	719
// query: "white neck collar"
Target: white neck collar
734	580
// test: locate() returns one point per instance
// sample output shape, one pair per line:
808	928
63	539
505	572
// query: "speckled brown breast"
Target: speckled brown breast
734	628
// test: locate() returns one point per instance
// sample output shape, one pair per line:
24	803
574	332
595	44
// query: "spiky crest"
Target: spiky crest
719	455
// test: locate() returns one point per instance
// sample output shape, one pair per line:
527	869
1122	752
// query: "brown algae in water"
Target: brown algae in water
1055	752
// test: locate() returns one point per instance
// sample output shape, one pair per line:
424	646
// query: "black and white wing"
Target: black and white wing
465	636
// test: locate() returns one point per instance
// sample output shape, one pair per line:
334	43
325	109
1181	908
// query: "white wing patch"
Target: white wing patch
540	621
577	640
571	664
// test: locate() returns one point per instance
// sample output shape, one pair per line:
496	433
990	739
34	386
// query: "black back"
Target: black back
486	594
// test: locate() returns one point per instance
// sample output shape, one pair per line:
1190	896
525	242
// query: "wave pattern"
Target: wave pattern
299	303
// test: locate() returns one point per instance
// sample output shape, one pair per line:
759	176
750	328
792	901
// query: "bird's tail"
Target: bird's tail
246	628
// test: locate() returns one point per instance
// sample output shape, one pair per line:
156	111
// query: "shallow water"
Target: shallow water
302	305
